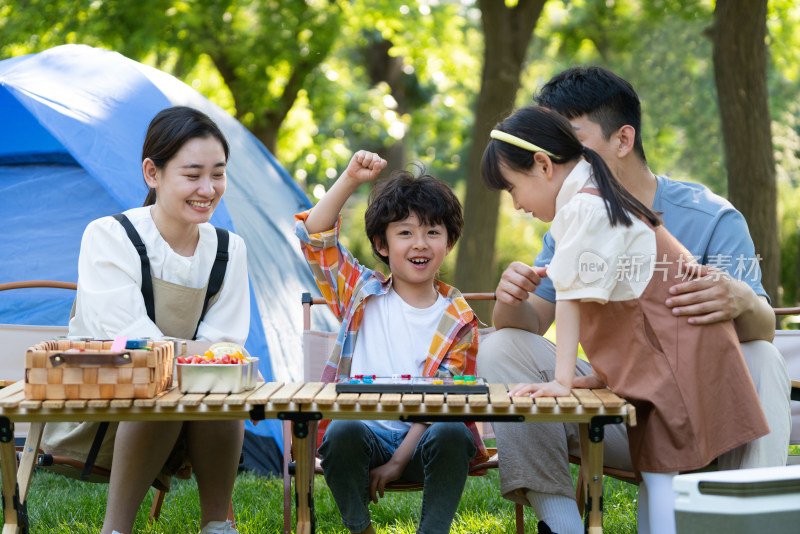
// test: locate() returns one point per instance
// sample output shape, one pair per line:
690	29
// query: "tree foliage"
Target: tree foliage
663	48
426	106
263	51
318	79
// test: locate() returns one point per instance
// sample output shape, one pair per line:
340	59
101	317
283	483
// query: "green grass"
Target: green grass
58	505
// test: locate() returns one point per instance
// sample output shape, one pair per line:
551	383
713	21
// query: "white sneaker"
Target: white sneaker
219	527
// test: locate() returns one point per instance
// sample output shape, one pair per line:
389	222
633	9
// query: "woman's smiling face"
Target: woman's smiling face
191	184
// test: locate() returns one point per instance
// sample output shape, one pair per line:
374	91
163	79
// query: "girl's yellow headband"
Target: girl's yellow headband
516	141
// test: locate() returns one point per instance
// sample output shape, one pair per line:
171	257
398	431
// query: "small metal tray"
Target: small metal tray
217	377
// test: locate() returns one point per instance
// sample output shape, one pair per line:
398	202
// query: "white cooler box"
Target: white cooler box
744	501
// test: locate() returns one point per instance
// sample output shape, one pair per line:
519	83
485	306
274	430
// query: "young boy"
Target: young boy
409	323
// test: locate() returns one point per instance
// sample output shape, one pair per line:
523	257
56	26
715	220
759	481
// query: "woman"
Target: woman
183	162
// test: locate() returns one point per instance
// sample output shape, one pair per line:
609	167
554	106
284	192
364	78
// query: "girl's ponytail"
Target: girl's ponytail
619	202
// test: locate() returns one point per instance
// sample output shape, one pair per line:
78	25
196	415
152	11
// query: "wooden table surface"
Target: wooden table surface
304	403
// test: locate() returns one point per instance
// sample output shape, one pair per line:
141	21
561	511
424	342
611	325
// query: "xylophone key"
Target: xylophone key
13	400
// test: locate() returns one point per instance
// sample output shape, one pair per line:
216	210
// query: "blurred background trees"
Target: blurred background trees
425	80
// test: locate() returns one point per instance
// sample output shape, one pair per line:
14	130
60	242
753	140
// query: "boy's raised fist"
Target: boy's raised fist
365	166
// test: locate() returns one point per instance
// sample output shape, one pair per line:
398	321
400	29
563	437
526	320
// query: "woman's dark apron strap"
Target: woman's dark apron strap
147	281
91	457
217	275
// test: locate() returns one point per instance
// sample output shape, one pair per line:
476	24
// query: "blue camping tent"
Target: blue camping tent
74	119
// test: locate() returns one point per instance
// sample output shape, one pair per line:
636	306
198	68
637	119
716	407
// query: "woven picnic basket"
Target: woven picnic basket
64	369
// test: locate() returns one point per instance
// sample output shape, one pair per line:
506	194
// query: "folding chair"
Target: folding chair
16	340
317	346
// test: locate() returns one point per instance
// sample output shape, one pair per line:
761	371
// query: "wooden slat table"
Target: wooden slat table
304	404
592	409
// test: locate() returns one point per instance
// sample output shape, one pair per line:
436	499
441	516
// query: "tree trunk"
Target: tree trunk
740	72
267	133
383	67
507	32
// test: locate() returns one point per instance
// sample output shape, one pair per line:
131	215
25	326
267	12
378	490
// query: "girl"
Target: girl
184	293
612	269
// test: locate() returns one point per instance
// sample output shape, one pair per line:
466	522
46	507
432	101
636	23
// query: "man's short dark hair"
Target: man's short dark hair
404	193
598	93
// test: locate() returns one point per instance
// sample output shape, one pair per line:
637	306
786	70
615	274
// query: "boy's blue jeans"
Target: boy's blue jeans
441	460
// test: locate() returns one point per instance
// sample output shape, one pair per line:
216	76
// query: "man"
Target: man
605	111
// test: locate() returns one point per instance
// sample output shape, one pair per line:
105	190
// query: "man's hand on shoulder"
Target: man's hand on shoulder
712	296
708	296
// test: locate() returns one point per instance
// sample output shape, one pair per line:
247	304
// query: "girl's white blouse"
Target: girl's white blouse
110	300
594	261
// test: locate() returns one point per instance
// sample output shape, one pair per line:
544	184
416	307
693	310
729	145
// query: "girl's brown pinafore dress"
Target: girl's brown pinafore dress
693	393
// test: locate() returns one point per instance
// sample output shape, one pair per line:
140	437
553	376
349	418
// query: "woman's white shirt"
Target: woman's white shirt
110	299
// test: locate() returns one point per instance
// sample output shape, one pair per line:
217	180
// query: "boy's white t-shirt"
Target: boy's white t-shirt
394	339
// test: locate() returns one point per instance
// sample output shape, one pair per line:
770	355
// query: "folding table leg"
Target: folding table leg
304	475
28	461
8	471
592	459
